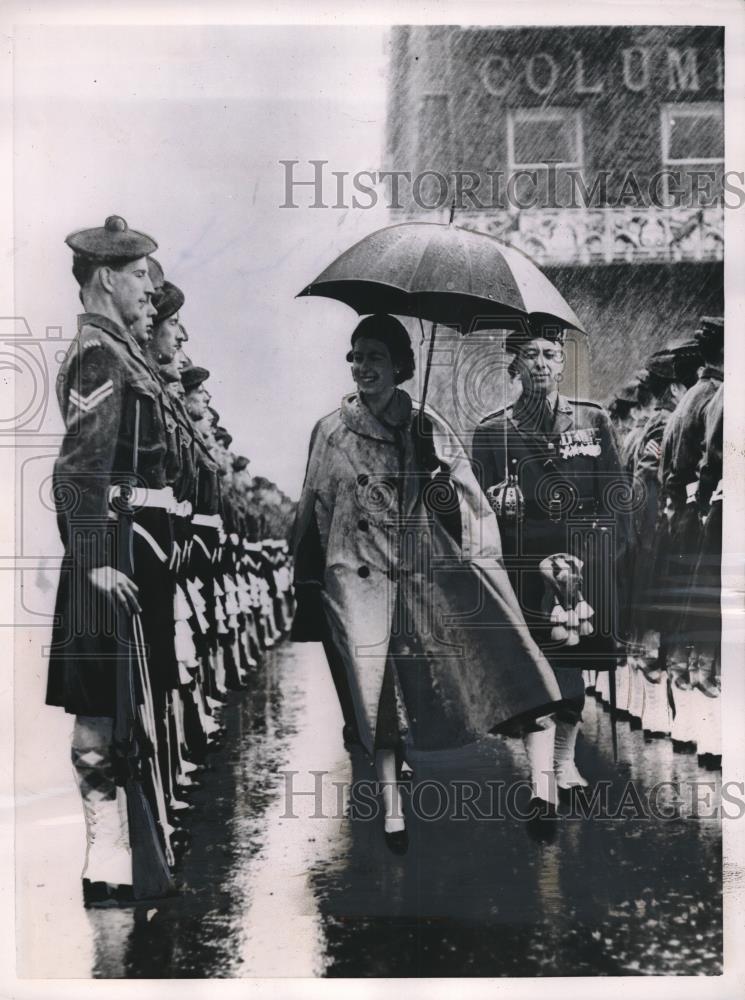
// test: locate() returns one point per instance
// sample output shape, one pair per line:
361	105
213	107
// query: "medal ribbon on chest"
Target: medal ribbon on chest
579	442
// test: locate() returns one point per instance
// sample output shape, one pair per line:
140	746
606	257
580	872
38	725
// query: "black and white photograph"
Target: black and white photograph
374	501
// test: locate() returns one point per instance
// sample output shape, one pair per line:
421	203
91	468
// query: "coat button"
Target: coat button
363	571
363	479
363	525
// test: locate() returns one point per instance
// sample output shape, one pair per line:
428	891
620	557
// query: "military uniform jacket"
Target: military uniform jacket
111	403
181	470
572	484
683	439
112	406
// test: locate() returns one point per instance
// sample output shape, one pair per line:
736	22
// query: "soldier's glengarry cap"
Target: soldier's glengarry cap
192	376
114	241
167	301
662	364
223	435
157	277
240	462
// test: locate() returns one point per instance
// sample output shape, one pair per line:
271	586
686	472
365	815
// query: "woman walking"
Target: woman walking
398	570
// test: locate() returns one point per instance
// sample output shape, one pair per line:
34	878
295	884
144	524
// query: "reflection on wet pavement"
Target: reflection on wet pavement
287	887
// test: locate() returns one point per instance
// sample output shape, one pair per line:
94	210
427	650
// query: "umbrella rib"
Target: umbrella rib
418	265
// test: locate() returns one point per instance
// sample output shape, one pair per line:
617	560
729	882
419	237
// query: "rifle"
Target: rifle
151	876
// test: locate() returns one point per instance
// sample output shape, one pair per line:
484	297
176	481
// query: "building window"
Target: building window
693	148
536	136
692	134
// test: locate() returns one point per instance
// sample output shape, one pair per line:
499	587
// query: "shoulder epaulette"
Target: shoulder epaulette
587	402
497	413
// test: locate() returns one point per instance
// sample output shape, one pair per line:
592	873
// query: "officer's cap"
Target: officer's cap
240	462
536	330
157	277
113	242
711	330
662	364
629	393
192	376
683	347
712	322
221	434
167	301
214	416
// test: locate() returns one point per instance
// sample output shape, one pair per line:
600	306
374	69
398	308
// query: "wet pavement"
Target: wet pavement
282	884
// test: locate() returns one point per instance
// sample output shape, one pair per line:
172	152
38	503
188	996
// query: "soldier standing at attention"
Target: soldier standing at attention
105	388
561	455
682	448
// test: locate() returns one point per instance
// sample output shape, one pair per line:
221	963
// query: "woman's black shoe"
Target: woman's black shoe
102	894
541	822
397	841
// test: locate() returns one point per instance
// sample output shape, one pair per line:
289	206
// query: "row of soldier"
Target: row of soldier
669	420
167	597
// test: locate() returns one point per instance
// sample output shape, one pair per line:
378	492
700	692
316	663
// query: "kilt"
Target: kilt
81	677
702	619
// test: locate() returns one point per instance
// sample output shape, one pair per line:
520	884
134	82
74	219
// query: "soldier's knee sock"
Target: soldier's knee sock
91	758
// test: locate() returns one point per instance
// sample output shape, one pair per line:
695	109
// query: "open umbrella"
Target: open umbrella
443	273
446	274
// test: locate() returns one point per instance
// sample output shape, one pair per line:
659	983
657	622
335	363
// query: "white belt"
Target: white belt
691	492
207	520
140	496
718	493
151	541
201	544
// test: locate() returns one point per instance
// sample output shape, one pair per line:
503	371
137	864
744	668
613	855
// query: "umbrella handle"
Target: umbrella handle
427	370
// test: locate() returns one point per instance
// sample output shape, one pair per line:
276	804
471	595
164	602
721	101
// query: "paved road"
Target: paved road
291	885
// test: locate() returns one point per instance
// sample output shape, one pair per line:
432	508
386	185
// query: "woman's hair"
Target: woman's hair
393	334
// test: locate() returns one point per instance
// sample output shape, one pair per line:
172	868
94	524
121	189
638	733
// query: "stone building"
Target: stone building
599	151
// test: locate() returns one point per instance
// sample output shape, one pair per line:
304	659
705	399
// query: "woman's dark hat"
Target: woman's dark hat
387	329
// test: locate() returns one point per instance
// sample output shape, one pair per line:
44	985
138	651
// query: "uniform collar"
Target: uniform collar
360	419
103	323
521	416
116	331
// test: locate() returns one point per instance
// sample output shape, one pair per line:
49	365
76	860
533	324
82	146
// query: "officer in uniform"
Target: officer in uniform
109	400
551	469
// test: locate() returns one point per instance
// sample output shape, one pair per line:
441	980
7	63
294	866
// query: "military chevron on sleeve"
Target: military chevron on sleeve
91	401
